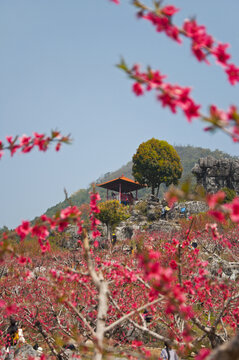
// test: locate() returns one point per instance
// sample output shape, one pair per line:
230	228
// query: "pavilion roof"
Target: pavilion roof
127	185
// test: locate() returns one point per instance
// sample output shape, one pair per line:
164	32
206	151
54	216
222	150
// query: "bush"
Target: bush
141	207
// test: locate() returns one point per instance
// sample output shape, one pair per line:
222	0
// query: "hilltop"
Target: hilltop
189	156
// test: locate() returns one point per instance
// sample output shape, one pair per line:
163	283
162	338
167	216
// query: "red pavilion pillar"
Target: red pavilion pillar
120	193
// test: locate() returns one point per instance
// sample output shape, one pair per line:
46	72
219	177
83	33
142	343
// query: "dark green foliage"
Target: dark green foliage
230	194
156	162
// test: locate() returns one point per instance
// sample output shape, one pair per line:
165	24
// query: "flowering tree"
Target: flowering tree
95	295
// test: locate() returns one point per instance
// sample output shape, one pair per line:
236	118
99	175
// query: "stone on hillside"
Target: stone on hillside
71	239
229	270
126	230
21	352
25	351
163	226
215	174
145	216
195	207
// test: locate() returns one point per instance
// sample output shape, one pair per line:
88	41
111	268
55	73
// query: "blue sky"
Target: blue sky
58	71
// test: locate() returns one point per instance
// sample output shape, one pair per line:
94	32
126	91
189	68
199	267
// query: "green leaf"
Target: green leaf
122	65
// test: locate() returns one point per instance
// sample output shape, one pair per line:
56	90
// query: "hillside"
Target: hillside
189	156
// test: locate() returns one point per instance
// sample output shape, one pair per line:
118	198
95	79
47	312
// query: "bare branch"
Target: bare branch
127	316
81	317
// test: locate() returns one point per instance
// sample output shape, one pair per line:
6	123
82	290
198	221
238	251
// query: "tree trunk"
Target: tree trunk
108	232
227	351
158	190
215	340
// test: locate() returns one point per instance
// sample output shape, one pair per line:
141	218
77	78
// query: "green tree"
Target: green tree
156	162
111	214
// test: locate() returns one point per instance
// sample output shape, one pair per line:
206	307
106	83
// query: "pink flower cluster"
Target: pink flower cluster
162	21
26	143
218	210
172	96
42	228
175	96
163	280
225	119
202	44
94	198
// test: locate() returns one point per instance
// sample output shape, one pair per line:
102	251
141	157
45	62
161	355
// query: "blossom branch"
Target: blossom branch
102	287
202	44
175	96
26	143
83	319
127	316
143	328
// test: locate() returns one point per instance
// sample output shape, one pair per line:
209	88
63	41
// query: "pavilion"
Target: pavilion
124	186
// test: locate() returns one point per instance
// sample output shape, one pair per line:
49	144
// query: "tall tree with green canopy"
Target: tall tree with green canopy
156	162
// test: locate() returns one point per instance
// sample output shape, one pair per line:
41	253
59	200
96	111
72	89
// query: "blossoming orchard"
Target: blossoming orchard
116	303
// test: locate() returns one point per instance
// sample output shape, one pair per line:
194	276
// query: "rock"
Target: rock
229	270
126	230
145	216
194	207
70	241
152	214
153	223
21	352
215	174
163	226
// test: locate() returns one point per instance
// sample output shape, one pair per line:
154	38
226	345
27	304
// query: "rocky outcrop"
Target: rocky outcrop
145	216
215	174
23	352
225	269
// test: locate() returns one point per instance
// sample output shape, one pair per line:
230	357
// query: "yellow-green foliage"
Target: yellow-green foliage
141	207
156	162
112	213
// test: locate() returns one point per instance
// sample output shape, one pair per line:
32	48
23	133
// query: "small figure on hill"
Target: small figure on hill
194	244
183	212
38	349
164	212
168	353
14	336
12	333
124	199
167	209
131	198
147	316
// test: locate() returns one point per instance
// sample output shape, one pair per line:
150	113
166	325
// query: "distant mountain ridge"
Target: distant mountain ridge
189	156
